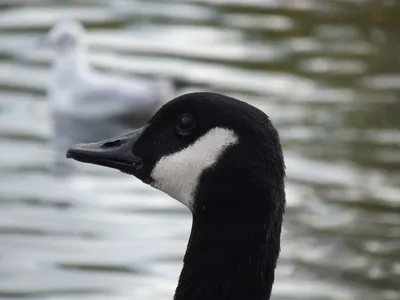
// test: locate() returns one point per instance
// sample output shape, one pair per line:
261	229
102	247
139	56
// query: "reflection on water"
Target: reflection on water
327	72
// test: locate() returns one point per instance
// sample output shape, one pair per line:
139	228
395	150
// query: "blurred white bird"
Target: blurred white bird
87	105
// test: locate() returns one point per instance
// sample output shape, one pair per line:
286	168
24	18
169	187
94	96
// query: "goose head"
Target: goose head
221	158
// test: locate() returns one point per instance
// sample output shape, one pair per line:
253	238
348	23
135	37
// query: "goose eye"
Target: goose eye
185	124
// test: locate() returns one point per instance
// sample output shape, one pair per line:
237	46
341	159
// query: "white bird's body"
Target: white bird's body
76	89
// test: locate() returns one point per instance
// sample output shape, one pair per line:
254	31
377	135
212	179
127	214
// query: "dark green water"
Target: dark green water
327	73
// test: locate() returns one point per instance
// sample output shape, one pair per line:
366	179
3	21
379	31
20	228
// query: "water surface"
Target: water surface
326	72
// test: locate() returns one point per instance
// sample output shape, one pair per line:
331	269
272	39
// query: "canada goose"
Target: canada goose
222	158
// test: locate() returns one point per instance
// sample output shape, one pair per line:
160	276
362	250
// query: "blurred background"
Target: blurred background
325	71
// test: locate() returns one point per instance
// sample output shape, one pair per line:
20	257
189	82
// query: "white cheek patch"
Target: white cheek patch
178	174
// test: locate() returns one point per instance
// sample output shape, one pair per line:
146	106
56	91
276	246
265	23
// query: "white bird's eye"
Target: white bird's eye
185	124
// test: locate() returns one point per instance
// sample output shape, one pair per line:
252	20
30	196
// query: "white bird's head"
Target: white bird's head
65	35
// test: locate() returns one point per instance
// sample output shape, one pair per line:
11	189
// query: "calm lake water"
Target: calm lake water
327	72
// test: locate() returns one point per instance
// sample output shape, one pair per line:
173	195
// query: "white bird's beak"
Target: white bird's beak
41	42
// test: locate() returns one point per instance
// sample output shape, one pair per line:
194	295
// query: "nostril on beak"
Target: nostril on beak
112	144
137	161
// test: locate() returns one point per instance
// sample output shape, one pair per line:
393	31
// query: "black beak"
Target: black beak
114	153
